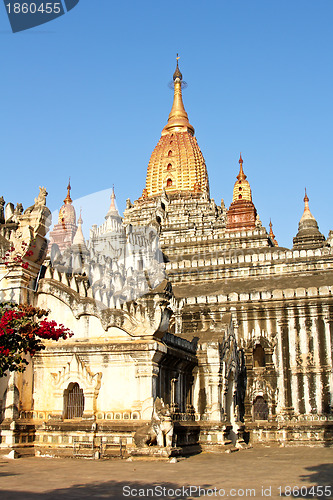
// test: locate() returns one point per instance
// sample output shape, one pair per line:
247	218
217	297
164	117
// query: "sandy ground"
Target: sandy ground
295	472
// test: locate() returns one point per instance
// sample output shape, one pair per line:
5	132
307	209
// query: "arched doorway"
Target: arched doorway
73	401
260	409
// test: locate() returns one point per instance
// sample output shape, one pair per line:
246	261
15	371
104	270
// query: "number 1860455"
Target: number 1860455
33	8
305	491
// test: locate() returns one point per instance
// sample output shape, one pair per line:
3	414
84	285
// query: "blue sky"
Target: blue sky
87	96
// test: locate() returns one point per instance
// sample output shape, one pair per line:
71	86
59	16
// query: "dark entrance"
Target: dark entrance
258	356
260	409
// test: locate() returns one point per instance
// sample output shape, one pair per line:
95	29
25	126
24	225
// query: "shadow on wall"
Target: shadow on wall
202	404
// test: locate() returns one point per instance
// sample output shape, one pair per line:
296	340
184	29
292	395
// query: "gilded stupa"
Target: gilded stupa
176	164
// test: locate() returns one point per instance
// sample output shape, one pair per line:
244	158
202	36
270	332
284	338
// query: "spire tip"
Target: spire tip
68	198
177	73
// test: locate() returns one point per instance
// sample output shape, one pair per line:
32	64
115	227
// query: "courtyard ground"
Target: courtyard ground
260	472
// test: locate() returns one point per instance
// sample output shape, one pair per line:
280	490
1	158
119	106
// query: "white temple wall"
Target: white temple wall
108	381
85	327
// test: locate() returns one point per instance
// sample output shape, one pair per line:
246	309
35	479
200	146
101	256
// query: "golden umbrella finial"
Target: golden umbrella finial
68	198
178	119
241	176
177	73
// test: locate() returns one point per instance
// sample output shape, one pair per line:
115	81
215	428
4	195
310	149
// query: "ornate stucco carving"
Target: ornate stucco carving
76	371
147	316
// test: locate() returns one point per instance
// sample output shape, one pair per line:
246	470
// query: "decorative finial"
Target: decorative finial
271	234
241	176
80	221
307	213
177	73
113	197
178	119
306	203
79	238
68	198
113	209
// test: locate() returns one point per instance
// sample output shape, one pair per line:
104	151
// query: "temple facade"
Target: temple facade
192	328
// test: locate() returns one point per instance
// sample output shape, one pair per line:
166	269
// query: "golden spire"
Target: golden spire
271	234
306	203
178	119
306	214
241	176
176	164
242	190
68	198
271	229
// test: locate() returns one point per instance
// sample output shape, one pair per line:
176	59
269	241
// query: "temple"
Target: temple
193	329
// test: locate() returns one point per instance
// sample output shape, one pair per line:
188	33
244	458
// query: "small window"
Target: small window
240	197
169	182
73	401
170	153
169	167
240	189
